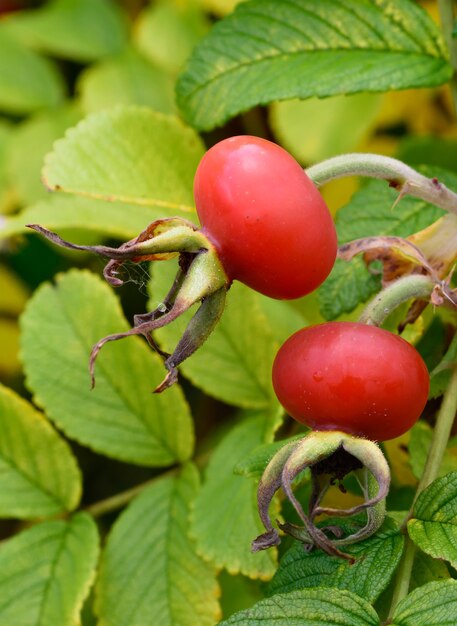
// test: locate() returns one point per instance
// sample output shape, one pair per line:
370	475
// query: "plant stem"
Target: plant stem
403	289
403	576
119	500
441	433
399	175
447	16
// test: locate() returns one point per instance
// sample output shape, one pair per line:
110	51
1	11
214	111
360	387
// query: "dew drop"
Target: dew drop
317	376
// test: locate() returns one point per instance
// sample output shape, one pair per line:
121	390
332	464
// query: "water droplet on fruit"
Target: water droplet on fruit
317	376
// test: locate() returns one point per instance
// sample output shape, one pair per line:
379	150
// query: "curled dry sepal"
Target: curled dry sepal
329	456
200	278
252	198
431	252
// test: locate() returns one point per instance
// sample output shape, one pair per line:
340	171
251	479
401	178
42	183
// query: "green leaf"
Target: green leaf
376	559
167	31
434	604
283	318
238	593
225	516
240	350
253	464
81	30
375	210
46	572
6	132
120	417
426	569
434	525
430	150
268	50
150	573
39	475
313	607
32	141
419	445
126	79
372	211
28	82
440	375
347	286
130	154
64	212
338	125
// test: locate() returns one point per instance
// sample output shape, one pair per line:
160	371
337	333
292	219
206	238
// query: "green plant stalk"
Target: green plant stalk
447	16
441	433
119	500
402	290
399	175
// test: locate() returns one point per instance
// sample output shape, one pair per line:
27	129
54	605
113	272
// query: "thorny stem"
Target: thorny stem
402	290
398	174
447	16
441	433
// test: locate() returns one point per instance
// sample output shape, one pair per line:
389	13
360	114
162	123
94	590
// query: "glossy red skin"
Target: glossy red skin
346	376
267	220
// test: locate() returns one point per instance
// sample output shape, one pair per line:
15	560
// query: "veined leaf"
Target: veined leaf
46	572
268	50
150	573
434	525
39	475
427	569
253	464
376	559
433	604
120	417
234	364
82	30
130	154
313	607
225	516
28	82
64	212
347	286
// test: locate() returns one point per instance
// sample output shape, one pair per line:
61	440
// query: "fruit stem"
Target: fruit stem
399	175
402	290
447	16
441	433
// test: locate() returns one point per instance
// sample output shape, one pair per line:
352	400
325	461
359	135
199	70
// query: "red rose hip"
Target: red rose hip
267	220
352	377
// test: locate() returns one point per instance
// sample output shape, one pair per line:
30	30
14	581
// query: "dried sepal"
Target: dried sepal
330	456
200	279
